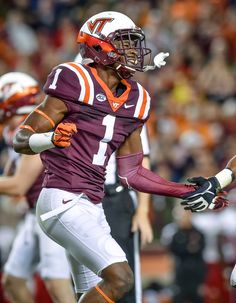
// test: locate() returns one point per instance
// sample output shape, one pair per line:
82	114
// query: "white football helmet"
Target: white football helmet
18	93
111	37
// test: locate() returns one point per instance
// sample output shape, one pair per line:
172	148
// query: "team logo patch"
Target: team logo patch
101	97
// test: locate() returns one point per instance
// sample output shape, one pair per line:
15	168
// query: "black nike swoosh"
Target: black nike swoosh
66	201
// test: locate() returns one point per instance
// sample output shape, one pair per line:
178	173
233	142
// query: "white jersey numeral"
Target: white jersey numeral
109	122
54	82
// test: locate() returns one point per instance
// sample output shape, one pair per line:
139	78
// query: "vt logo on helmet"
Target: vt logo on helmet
113	40
97	26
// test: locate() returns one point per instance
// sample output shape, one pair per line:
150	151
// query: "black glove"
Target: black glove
205	195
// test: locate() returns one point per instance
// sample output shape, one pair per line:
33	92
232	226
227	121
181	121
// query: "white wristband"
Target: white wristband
224	177
41	142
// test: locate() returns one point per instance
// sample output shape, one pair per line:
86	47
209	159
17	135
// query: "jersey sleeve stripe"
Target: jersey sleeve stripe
139	102
81	80
144	102
147	107
90	82
86	82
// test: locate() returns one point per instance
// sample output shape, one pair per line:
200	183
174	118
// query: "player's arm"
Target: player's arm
141	219
232	167
226	176
27	171
37	132
134	175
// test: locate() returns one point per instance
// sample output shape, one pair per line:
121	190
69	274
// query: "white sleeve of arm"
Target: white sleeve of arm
145	141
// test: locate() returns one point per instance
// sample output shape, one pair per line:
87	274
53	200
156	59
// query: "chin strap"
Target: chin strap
108	300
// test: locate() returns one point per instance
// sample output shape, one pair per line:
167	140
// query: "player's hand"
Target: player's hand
220	201
141	223
206	195
63	133
159	59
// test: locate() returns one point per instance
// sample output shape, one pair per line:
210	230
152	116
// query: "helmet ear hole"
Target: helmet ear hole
97	48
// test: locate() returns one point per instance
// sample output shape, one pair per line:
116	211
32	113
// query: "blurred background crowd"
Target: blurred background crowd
192	126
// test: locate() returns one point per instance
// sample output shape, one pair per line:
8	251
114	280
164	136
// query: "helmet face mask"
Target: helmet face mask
110	37
131	46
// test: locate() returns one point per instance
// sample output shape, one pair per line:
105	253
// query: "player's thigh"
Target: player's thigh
81	229
53	261
24	253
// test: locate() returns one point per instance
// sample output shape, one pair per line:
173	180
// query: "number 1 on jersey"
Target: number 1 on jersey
54	82
109	122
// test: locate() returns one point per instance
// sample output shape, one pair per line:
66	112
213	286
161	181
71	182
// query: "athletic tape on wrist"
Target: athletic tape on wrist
224	177
41	142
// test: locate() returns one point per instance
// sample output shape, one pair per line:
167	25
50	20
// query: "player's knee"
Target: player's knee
124	282
121	279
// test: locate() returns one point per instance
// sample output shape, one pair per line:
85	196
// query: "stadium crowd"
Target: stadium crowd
193	121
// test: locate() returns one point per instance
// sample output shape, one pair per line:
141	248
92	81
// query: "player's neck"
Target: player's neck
110	77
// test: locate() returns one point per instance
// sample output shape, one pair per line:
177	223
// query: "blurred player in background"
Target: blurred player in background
32	249
92	110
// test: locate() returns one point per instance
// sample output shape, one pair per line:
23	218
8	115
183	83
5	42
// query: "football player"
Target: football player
90	111
127	213
31	248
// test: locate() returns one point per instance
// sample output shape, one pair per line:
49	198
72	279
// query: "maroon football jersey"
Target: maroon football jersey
103	122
